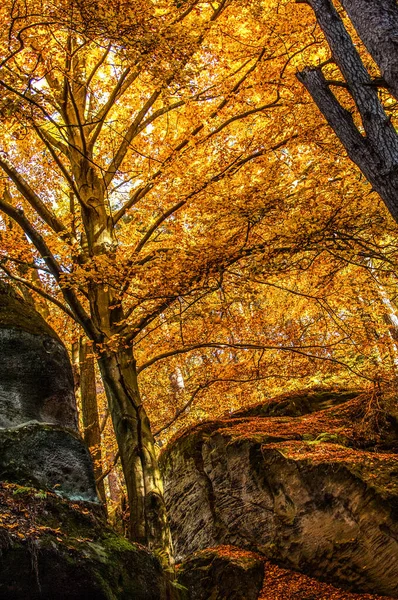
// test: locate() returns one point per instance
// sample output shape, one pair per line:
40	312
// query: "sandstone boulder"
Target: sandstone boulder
54	539
48	457
294	488
36	381
223	573
51	548
39	440
297	404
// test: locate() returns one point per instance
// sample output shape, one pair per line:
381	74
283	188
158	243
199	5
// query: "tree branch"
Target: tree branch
78	119
128	138
180	411
218	267
53	141
97	66
134	199
109	469
38	241
34	200
61	166
157	224
375	121
36	289
294	349
122	85
23	263
231	168
243	115
361	152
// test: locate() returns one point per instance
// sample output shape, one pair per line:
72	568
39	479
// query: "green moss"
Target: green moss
114	543
72	541
180	592
329	438
42	494
22	490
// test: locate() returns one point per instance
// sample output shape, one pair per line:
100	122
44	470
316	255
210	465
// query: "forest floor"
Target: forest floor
282	584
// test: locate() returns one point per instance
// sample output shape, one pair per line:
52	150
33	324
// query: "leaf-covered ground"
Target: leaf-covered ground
282	584
363	422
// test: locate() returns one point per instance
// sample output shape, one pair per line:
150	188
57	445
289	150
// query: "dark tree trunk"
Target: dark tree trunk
376	23
376	151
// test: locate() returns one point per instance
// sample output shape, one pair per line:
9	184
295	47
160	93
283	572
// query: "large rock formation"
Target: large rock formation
223	573
51	548
36	381
54	540
298	489
39	440
230	573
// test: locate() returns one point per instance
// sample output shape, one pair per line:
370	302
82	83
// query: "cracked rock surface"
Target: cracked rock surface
306	491
222	573
39	440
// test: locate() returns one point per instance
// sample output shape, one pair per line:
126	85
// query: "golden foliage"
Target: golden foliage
177	169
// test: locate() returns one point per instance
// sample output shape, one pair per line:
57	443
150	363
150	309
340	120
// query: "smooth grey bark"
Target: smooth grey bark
376	23
375	151
148	516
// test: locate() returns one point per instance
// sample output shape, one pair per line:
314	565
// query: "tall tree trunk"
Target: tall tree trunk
148	516
91	427
117	498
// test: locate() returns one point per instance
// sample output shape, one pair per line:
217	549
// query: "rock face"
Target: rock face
52	548
47	457
223	573
36	381
39	441
54	540
291	488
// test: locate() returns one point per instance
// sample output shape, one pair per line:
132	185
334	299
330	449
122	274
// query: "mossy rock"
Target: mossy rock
223	573
48	457
329	438
52	548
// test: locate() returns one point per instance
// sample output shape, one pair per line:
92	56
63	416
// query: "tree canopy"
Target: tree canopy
171	193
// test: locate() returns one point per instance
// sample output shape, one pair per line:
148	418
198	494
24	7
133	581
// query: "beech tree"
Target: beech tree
372	143
114	123
151	162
